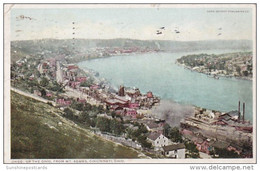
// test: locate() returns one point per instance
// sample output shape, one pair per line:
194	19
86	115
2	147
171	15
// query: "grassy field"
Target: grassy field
37	133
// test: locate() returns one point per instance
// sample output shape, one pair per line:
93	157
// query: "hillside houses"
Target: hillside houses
78	91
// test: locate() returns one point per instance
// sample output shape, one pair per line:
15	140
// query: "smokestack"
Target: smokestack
243	112
238	111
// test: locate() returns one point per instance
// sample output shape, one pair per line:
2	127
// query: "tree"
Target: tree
55	87
166	129
44	82
175	135
224	153
142	129
43	92
32	83
103	124
143	141
68	113
113	114
87	107
87	83
193	152
116	127
85	118
77	106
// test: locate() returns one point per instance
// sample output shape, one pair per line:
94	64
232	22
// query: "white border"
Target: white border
7	93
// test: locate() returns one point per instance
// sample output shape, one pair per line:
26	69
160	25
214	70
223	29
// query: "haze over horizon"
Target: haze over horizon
175	24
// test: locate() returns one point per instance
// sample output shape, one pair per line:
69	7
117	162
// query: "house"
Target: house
74	84
71	67
133	105
158	140
81	79
149	94
49	94
122	99
176	151
153	126
131	112
203	147
94	87
201	143
115	102
63	102
133	93
81	100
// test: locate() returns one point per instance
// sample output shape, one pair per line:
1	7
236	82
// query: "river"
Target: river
158	72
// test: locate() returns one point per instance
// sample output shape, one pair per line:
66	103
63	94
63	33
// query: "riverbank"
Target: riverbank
160	74
213	75
230	65
123	114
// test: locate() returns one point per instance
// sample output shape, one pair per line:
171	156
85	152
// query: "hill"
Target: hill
76	48
38	131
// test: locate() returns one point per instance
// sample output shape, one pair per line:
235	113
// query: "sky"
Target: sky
135	23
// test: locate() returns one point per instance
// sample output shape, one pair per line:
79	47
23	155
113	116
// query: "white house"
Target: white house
174	151
158	140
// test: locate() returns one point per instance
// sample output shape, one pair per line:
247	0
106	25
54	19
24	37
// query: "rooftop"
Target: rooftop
220	144
174	147
154	135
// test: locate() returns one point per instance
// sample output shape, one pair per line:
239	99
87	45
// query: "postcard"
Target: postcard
129	83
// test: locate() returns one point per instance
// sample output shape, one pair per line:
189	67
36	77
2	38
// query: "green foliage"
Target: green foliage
166	130
32	83
224	153
193	152
110	125
44	82
55	87
116	127
175	135
142	139
69	113
172	133
87	83
32	138
77	105
223	62
143	129
140	135
85	118
43	92
103	124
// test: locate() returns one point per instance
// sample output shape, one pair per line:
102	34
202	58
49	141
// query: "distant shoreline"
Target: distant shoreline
219	75
193	63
